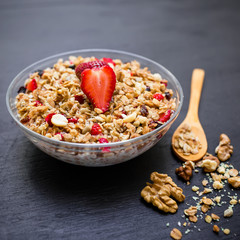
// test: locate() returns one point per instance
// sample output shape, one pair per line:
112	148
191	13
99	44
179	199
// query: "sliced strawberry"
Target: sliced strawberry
32	85
109	60
98	84
88	65
49	118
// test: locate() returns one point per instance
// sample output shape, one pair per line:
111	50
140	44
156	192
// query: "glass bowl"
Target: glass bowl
95	154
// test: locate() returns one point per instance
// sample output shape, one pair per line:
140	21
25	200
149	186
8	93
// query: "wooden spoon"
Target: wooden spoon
193	119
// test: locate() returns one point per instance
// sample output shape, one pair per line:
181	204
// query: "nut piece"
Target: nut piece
208	219
185	171
216	177
217	185
233	202
210	163
191	213
159	192
207	201
214	216
205	208
233	172
217	199
234	181
204	182
176	234
59	120
224	149
226	231
216	228
228	212
195	188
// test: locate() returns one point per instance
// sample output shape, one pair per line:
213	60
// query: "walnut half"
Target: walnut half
185	171
160	191
224	149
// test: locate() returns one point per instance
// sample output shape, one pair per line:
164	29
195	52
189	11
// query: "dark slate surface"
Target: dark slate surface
43	198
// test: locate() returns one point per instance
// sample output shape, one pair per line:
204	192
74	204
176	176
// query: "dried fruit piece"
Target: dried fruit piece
22	89
96	129
32	85
176	234
79	98
224	149
158	193
40	72
168	96
98	84
185	171
37	103
165	116
103	140
158	96
59	120
144	110
72	120
49	118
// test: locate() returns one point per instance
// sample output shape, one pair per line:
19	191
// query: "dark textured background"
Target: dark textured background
42	198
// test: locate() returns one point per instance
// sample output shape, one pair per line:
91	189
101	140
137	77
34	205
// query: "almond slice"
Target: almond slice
59	120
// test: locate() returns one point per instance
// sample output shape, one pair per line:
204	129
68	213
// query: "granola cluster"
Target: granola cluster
133	111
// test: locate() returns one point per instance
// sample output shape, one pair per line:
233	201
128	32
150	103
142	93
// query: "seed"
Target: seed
176	234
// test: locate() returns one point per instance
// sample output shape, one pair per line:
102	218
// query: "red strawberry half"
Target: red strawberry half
98	84
88	65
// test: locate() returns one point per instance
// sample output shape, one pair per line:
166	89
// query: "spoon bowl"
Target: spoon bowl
192	118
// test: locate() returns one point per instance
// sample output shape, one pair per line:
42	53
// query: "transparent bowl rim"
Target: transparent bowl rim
94	145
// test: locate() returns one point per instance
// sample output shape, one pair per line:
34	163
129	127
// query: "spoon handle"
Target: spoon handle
196	89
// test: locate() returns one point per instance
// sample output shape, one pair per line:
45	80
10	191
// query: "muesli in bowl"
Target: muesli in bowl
95	107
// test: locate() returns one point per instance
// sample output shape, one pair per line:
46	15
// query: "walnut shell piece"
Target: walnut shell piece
159	193
224	149
185	171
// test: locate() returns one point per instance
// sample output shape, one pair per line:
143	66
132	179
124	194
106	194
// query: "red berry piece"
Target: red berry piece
158	96
99	84
104	140
88	65
72	120
109	60
38	103
79	98
164	117
49	118
96	129
60	135
32	85
165	83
